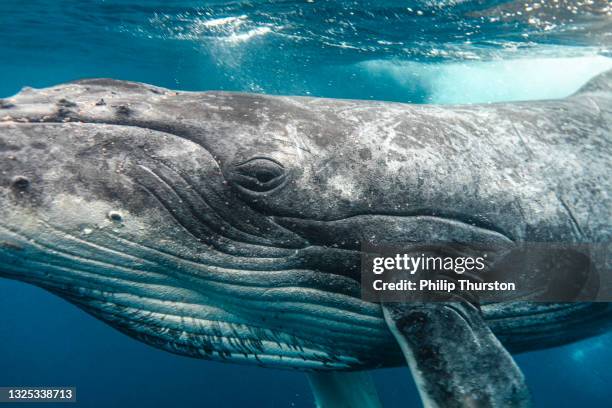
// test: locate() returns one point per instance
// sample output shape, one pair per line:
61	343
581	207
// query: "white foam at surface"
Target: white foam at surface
237	38
492	81
224	21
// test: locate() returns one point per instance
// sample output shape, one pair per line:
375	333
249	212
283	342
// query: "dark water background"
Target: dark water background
445	51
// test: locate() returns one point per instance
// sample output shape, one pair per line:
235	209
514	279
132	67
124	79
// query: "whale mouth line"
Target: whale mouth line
308	228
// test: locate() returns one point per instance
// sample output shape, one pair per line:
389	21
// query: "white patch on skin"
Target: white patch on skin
346	186
180	151
395	166
73	212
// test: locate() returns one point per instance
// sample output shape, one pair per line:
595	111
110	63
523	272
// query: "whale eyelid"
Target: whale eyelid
259	158
259	175
263	184
264	167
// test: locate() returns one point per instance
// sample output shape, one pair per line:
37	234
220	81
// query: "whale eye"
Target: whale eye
259	174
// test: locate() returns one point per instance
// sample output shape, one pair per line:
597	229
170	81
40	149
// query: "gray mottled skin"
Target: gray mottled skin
227	226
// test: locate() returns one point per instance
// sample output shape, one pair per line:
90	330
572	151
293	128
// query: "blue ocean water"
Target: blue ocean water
427	51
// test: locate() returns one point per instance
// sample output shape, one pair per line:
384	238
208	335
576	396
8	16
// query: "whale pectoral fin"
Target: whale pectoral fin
454	357
335	389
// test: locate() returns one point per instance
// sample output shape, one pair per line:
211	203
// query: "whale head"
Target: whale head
174	228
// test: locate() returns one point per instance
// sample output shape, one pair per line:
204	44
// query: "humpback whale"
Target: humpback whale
227	226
